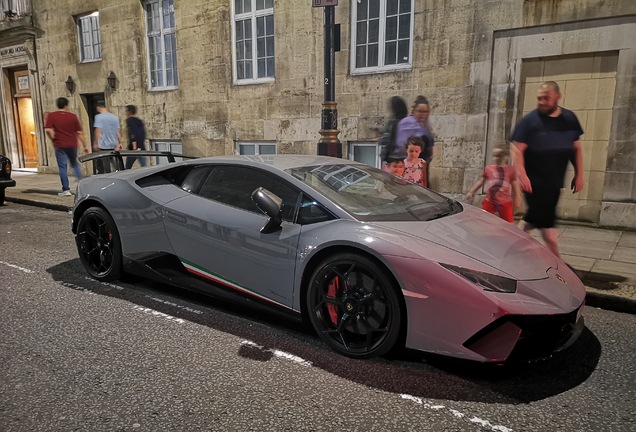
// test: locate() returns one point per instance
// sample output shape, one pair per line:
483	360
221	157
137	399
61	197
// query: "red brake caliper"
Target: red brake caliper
331	293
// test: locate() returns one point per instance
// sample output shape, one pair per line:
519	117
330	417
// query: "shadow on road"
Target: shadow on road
412	373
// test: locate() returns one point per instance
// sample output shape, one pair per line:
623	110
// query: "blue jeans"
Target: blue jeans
63	157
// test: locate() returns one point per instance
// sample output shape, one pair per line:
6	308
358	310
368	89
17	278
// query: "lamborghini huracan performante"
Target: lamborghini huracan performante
373	262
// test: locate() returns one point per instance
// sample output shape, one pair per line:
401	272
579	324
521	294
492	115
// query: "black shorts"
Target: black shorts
542	202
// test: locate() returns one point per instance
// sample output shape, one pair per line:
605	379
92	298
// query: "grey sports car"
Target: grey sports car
373	262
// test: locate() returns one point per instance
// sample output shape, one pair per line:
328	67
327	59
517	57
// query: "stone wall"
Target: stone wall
474	92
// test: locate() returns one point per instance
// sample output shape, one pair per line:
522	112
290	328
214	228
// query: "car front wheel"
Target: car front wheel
354	306
98	244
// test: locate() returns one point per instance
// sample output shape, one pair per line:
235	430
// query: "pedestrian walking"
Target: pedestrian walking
417	124
545	140
502	194
136	131
107	135
65	130
399	110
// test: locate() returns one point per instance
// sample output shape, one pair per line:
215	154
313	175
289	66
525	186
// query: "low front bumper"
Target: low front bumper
527	337
5	183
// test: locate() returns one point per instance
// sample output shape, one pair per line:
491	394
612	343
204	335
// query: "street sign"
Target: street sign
323	3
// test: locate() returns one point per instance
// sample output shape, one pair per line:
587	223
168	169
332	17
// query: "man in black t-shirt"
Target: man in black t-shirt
136	135
545	140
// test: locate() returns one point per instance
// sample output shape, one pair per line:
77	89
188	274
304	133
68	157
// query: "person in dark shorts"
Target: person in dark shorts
136	135
545	140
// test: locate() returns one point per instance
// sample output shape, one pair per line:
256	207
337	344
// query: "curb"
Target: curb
50	206
610	302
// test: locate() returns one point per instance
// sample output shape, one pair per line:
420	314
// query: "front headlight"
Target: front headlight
486	281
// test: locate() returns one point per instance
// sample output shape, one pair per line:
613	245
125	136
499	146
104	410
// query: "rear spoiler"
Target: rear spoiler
116	157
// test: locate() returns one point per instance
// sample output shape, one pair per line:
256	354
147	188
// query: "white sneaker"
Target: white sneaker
65	193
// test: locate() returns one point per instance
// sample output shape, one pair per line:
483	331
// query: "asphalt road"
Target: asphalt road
79	355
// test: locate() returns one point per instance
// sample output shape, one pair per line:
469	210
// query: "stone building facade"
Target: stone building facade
186	65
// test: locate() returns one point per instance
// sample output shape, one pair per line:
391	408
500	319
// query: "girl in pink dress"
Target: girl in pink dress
414	166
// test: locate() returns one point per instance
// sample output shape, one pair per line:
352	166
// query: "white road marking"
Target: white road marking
77	287
291	357
458	414
487	424
17	267
158	314
117	287
278	353
136	307
252	344
417	400
412	398
186	308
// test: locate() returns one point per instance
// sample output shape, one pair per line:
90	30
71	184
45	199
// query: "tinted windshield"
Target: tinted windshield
369	194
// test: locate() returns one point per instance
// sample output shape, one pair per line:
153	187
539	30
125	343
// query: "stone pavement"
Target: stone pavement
605	259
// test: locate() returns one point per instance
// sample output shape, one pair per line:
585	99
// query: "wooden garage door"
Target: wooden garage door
587	84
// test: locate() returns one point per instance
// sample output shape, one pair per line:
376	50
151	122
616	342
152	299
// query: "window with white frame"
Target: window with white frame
256	148
168	146
253	31
89	37
382	35
365	152
162	44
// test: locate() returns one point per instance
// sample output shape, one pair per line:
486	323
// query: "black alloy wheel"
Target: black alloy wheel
354	307
98	244
1	196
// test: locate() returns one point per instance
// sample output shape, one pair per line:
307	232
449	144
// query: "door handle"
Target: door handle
175	216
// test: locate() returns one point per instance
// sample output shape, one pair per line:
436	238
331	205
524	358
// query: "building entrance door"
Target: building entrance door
90	102
24	120
588	83
26	127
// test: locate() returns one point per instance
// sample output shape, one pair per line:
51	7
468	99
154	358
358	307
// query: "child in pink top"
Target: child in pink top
502	194
414	166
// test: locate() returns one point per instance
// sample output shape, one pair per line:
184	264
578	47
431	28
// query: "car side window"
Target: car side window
311	212
194	179
233	185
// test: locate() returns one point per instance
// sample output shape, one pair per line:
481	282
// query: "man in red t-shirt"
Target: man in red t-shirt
63	127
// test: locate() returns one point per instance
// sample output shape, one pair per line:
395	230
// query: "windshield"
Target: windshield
369	194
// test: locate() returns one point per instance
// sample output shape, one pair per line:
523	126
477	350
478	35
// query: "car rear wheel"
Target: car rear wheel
1	196
354	306
98	244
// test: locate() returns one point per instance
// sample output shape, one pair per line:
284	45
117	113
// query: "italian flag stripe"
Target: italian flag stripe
201	272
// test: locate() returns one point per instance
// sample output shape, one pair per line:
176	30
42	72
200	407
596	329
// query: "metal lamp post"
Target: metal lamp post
329	144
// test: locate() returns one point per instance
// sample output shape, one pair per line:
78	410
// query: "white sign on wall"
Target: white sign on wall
323	3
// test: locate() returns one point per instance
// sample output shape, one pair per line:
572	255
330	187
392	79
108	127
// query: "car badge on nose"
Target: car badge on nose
558	276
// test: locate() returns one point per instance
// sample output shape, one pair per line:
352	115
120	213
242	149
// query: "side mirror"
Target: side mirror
271	205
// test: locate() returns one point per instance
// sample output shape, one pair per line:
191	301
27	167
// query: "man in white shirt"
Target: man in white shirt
107	136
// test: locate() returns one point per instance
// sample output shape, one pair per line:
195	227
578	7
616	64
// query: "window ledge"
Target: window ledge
254	81
162	89
383	69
